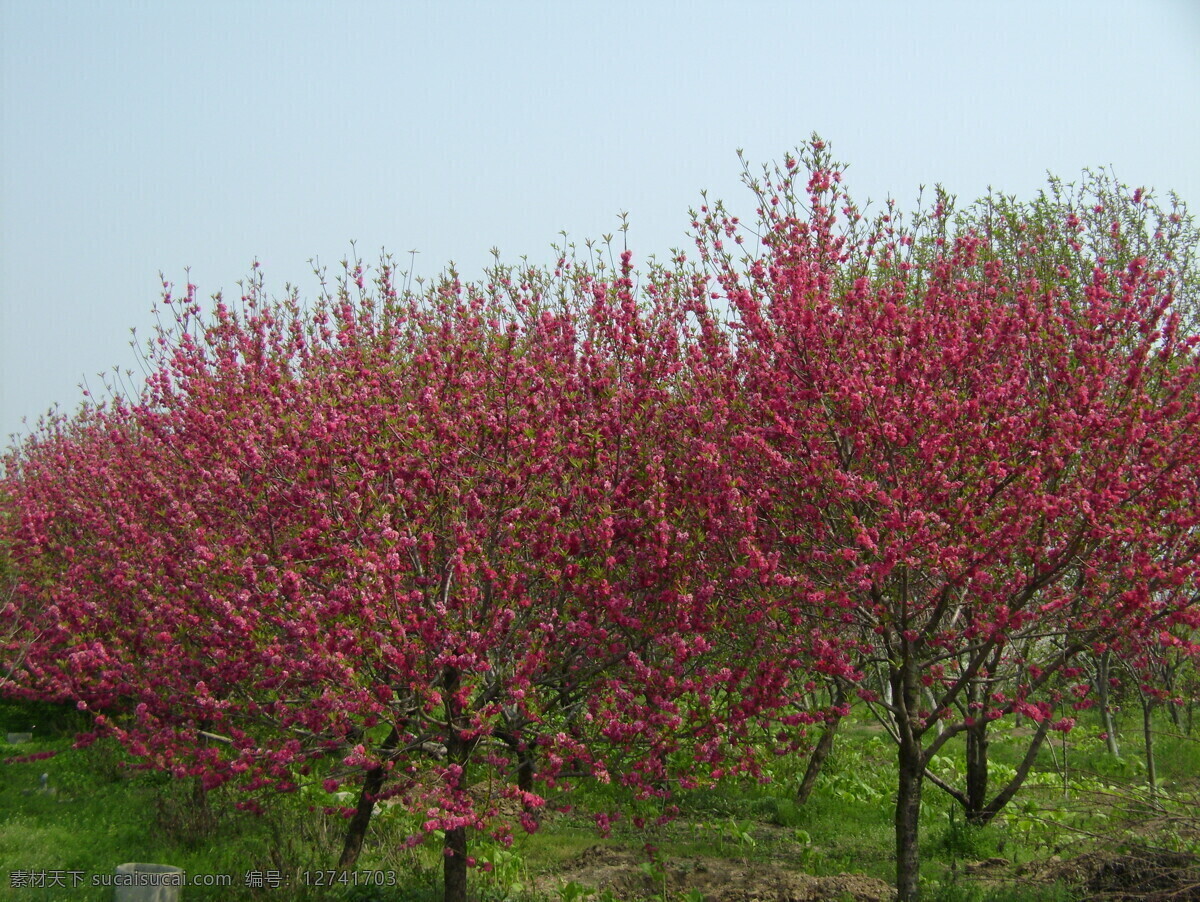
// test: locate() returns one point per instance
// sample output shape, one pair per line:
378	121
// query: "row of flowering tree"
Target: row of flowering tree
454	540
456	547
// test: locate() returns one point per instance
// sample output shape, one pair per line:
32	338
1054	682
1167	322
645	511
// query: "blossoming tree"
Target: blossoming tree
435	537
981	466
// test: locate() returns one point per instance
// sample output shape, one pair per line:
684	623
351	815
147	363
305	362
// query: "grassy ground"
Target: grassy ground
95	810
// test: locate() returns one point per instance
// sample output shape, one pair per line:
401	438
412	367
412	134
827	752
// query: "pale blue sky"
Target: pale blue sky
147	136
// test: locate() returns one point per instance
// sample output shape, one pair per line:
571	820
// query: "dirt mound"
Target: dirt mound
719	880
1137	876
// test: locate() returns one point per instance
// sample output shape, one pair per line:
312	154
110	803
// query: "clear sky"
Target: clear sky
140	137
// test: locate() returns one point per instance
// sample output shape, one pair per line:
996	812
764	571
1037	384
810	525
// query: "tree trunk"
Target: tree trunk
911	761
931	701
201	810
454	850
526	771
1005	795
977	757
908	814
200	799
977	771
816	761
1110	732
454	869
1148	737
526	758
1103	669
526	763
356	832
1066	775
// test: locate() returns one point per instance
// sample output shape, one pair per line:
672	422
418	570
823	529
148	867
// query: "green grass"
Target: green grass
104	811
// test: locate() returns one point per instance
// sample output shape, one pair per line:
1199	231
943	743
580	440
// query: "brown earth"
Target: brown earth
718	879
1139	876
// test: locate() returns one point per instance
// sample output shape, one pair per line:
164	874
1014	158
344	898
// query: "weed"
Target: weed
963	841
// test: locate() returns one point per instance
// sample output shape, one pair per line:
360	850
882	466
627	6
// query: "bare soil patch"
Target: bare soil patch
1137	876
719	879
